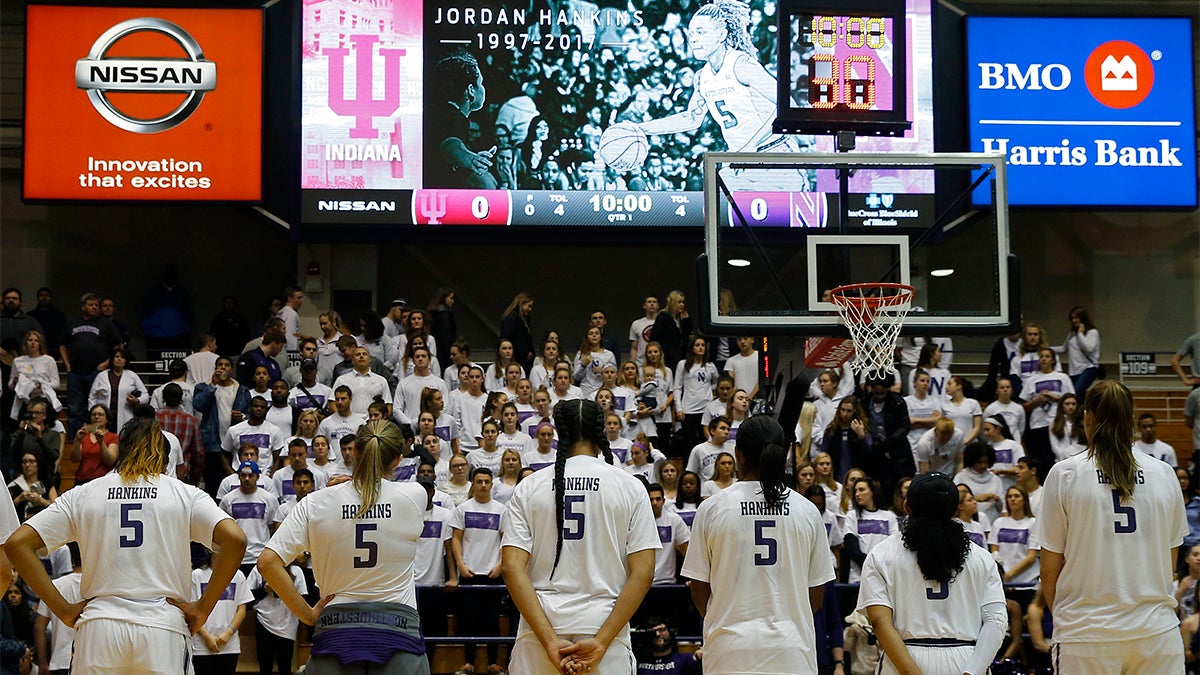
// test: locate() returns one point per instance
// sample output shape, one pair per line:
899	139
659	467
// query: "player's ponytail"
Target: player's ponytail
1110	444
378	445
761	443
931	531
576	421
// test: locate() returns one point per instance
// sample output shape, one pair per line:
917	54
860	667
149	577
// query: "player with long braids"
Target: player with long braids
732	85
934	599
578	554
362	537
759	561
134	527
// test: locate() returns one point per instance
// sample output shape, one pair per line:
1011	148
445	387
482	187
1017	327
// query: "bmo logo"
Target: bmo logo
1119	74
1033	77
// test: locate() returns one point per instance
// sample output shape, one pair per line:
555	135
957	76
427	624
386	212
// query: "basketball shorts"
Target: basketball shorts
1160	654
528	658
113	647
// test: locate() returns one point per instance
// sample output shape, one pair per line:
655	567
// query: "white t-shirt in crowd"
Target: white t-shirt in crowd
62	637
1014	539
480	525
429	562
237	593
673	533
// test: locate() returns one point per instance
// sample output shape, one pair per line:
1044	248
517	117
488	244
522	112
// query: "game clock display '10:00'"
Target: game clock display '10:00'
846	60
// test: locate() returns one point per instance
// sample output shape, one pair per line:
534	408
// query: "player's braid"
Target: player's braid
568	434
594	432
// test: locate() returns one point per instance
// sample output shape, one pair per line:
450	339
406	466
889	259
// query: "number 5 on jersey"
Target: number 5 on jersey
770	543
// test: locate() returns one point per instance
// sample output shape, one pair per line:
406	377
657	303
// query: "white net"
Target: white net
874	314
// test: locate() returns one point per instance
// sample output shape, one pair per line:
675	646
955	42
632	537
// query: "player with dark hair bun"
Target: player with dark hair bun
758	560
935	600
450	163
578	553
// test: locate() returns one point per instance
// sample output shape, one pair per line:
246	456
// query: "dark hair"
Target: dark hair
483	470
930	531
347	439
761	443
577	421
815	490
712	424
223	358
976	451
298	443
1084	317
679	490
172	394
1147	416
456	72
999	422
1034	464
12	289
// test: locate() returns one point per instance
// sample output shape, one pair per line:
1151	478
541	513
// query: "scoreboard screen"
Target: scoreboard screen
506	113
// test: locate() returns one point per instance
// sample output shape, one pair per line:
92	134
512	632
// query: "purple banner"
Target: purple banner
248	510
478	520
432	530
874	527
1010	536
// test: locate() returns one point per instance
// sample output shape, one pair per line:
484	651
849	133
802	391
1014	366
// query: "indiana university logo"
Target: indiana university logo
433	205
364	107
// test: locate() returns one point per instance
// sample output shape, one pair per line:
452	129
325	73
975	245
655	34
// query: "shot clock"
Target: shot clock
842	67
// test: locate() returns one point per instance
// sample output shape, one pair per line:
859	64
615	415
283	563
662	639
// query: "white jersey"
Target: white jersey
1056	384
231	482
267	437
923	609
335	427
481	528
1109	597
920	408
872	528
744	370
254	513
703	459
367	559
606	518
943	457
744	113
364	388
409	390
317	398
694	388
142	528
429	562
760	560
639	336
962	414
1013	414
1013	540
482	458
236	594
1158	450
1008	453
672	534
62	637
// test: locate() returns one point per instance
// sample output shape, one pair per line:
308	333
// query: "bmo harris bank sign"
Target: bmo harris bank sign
1088	112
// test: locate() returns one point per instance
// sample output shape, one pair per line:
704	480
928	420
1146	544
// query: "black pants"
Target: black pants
273	650
478	615
215	664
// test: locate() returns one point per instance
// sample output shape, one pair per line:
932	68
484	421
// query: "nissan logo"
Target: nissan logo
192	76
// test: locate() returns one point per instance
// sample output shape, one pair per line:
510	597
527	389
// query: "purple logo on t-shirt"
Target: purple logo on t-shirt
664	534
1029	367
620	454
619	404
226	594
538	466
688	517
874	527
977	538
1010	536
478	520
523	415
442	433
259	440
405	472
309	402
248	510
288	489
433	530
1048	385
1004	456
733	433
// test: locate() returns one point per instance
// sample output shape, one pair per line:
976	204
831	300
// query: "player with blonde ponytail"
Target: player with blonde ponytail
1111	523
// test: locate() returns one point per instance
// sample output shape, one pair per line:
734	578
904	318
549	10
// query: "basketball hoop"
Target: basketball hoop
874	313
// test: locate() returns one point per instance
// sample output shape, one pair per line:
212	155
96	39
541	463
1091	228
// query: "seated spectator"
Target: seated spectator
29	492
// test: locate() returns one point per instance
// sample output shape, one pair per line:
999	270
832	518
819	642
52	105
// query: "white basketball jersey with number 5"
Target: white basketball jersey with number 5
744	114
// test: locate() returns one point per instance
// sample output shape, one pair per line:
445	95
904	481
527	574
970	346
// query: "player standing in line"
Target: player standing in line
134	528
934	599
759	561
362	537
1113	612
578	554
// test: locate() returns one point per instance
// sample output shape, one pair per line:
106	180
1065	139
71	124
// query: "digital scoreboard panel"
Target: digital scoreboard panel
499	114
1093	112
